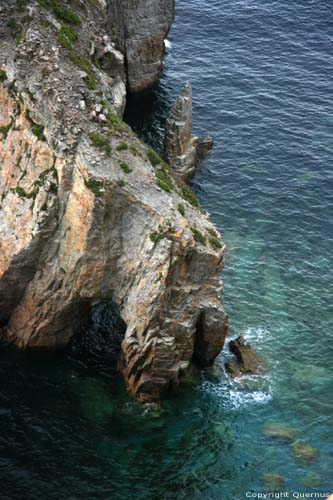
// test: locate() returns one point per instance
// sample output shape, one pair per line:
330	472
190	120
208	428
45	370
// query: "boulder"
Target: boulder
247	360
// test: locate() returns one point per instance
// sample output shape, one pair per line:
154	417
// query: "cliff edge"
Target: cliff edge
88	212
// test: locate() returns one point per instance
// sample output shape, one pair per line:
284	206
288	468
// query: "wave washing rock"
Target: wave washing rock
88	212
139	28
181	150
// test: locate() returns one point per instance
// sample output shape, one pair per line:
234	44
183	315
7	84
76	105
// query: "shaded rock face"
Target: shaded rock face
83	214
139	28
181	150
247	360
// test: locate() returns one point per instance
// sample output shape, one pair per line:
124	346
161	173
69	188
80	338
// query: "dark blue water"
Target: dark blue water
262	78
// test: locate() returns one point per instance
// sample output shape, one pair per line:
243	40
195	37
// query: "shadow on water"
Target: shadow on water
146	114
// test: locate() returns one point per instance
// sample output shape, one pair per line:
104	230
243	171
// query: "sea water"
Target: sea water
261	72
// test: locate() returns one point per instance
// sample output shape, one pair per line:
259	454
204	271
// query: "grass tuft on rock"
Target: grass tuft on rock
122	146
67	37
3	75
164	180
95	187
84	64
181	209
153	157
215	243
66	15
198	236
125	167
156	237
100	142
4	130
36	129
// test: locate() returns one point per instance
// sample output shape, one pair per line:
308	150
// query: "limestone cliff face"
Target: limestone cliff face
139	28
88	212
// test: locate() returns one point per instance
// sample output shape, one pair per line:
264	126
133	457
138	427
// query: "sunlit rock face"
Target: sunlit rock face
89	213
139	28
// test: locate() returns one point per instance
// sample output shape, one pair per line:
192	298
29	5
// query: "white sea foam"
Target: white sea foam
167	44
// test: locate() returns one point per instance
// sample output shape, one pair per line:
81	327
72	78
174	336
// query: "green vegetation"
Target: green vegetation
84	64
45	23
21	5
3	75
36	129
215	243
198	236
113	121
15	30
188	195
47	4
100	142
122	146
125	168
133	150
164	180
156	237
163	232
67	37
160	276
121	183
66	14
5	129
22	193
95	187
153	157
181	209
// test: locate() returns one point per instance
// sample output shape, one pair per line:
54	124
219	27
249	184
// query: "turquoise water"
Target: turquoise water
261	72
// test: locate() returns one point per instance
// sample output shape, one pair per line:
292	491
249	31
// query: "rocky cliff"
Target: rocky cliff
139	28
89	213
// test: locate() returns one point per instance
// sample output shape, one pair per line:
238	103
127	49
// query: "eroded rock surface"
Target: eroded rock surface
139	28
183	151
88	212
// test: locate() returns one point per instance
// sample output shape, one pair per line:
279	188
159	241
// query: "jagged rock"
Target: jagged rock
87	211
139	28
181	150
247	360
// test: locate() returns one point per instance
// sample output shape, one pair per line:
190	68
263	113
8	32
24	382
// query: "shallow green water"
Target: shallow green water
261	76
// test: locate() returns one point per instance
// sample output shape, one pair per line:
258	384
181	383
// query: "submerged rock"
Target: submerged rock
312	480
280	431
304	452
272	482
247	360
181	150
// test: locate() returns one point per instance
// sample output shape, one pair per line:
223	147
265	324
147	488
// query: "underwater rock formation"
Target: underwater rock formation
89	213
181	150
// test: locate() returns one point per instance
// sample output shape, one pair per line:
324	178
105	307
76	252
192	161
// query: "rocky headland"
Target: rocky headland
89	214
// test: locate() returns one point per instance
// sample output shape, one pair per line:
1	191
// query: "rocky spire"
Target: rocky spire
182	151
